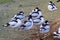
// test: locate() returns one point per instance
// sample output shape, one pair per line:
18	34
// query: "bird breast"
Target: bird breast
35	14
36	20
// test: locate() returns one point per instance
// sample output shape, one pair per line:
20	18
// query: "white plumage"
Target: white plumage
38	21
45	27
13	24
20	15
27	24
57	32
36	13
51	6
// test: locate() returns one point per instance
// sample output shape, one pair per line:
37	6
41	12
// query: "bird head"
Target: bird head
6	25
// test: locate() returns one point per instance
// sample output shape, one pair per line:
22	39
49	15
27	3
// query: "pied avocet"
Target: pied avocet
38	21
27	24
51	6
20	15
45	27
13	23
56	34
36	13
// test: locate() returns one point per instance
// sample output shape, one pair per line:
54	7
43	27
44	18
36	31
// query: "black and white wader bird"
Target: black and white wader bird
57	33
19	15
27	25
51	6
45	27
38	21
13	23
36	13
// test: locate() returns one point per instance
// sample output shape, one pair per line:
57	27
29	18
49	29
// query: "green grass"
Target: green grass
4	1
7	12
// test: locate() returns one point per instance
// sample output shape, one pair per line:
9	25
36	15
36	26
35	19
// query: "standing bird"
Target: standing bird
51	6
13	23
20	15
45	27
38	21
27	24
36	13
57	33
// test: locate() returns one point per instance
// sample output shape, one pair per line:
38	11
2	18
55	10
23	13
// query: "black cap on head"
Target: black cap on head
46	21
41	16
21	12
50	1
6	25
36	8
